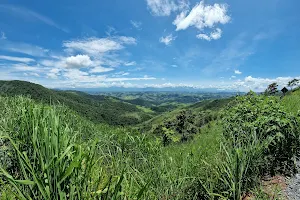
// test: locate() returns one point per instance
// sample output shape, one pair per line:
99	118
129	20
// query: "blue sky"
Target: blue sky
228	45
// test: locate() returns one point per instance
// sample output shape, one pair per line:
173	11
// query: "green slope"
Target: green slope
97	108
291	102
203	112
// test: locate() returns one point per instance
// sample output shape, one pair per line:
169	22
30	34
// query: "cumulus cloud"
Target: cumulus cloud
98	54
167	40
260	84
213	35
203	16
97	46
216	34
78	61
237	72
203	37
16	59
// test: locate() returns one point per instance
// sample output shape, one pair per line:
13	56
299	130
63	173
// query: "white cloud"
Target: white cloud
203	16
260	84
203	37
77	76
233	76
16	59
129	79
78	61
97	46
175	66
22	67
216	34
167	40
2	36
54	73
162	7
130	63
136	24
237	72
100	70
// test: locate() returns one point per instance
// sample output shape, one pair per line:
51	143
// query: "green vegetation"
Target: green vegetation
167	125
214	149
96	108
260	139
61	145
166	101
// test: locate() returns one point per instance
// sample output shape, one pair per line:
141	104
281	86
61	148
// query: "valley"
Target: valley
116	146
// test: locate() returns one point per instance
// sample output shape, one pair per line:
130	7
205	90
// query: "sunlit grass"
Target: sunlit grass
55	154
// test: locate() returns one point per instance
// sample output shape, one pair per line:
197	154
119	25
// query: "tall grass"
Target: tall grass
54	156
51	153
48	162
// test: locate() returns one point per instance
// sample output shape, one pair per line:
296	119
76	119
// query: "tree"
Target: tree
272	89
293	83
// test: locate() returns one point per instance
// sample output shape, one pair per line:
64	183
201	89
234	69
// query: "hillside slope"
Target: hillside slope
201	113
97	108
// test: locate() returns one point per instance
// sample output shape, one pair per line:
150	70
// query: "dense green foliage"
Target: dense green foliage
167	125
260	139
96	108
50	152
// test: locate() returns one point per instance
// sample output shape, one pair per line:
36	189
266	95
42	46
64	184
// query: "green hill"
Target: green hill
199	113
97	108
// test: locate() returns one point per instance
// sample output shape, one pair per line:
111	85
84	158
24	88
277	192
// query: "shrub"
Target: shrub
260	139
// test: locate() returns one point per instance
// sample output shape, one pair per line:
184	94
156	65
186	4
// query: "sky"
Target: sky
222	44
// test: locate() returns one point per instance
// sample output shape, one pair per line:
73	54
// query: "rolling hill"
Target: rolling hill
202	112
97	108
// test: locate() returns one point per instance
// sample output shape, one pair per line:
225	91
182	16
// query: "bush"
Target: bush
260	139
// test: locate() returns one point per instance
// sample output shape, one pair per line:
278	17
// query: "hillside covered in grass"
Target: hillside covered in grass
97	108
51	152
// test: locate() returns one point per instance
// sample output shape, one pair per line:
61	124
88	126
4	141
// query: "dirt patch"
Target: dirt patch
275	187
272	188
